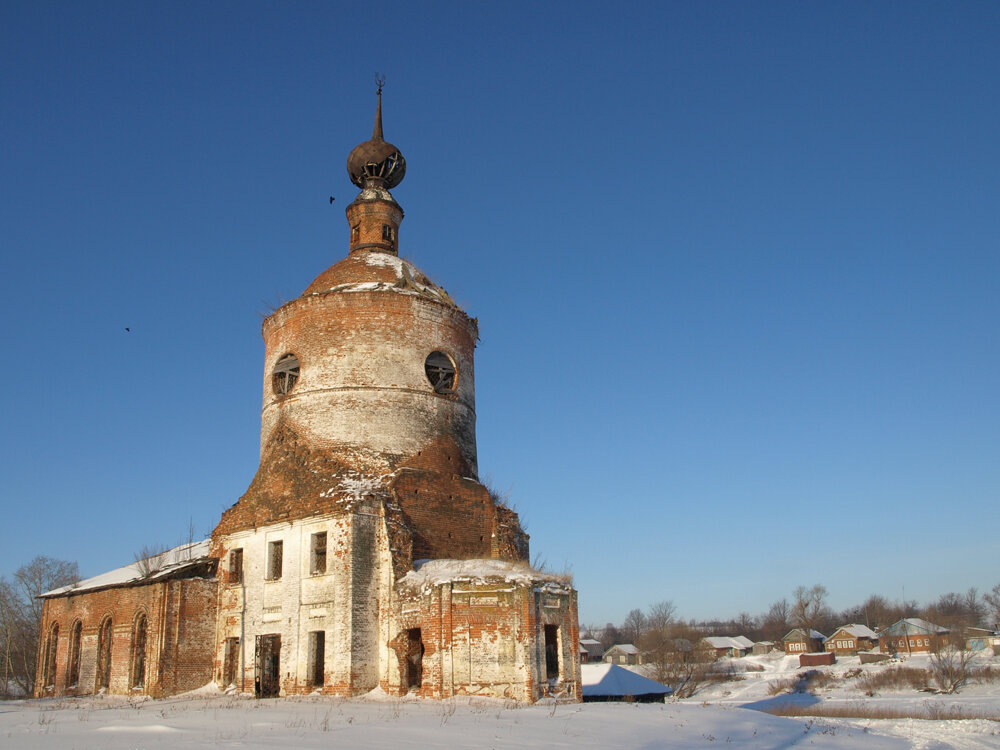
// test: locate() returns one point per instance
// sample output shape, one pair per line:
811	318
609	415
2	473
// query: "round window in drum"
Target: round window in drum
285	374
441	372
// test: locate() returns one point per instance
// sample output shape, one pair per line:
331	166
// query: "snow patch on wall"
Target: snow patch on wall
430	573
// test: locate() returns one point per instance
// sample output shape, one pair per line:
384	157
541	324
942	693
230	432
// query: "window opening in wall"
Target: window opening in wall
73	673
104	655
440	372
230	661
551	652
236	565
317	555
50	655
387	233
317	657
267	667
274	560
414	659
138	652
355	234
285	374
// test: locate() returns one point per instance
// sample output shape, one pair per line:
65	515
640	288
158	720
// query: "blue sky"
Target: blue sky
735	265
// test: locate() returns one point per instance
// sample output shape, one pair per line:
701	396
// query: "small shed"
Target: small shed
763	647
611	682
821	659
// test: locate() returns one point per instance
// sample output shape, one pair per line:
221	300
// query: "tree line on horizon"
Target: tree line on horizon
807	609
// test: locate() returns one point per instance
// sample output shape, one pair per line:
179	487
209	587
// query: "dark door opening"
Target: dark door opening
231	662
267	674
551	652
414	659
317	658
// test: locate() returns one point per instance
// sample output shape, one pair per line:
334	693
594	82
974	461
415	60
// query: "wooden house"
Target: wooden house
801	641
849	639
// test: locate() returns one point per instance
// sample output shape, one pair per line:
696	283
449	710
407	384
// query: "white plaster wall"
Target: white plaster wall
301	602
362	383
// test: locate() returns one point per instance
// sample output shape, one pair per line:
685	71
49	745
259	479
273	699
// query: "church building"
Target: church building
366	553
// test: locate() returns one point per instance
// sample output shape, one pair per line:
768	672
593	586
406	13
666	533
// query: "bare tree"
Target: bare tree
957	611
809	610
676	659
610	636
149	559
661	614
634	625
21	618
776	622
951	660
992	600
747	625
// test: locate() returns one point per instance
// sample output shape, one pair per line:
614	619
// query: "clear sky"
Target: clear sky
736	268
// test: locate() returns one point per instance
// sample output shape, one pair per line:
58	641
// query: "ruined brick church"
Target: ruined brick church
365	554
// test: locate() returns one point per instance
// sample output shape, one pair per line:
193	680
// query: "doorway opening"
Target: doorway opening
267	672
414	659
551	652
231	661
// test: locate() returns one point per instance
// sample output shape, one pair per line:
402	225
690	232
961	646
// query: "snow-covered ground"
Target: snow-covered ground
716	717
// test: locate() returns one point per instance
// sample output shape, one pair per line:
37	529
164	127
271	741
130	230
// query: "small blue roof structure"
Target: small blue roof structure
612	682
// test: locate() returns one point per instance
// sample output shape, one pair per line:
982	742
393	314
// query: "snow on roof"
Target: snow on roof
625	648
159	566
429	573
912	625
800	632
858	631
590	641
612	679
727	641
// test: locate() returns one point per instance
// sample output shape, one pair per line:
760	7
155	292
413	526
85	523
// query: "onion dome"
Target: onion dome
376	163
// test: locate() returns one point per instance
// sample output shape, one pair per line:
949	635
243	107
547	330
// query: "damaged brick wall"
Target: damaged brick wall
180	616
488	638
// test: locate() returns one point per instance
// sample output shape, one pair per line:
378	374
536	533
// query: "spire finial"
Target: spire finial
377	132
375	163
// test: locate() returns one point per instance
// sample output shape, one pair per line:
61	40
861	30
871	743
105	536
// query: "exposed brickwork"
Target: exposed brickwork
487	638
180	616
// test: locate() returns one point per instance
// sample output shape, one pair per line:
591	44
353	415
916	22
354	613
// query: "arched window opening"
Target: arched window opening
285	374
138	652
104	655
441	372
50	655
73	663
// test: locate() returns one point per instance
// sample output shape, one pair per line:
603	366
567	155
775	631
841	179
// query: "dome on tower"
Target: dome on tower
376	163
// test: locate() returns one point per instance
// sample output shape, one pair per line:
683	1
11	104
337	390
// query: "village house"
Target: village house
977	639
725	645
911	635
849	639
365	553
800	641
594	649
623	653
